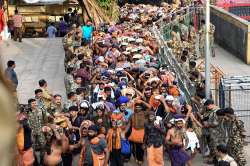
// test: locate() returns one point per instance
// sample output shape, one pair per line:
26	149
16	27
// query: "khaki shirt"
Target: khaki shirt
47	98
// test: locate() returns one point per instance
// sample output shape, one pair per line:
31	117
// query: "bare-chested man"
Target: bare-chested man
57	143
176	141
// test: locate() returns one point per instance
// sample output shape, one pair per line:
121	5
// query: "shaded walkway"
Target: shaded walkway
36	58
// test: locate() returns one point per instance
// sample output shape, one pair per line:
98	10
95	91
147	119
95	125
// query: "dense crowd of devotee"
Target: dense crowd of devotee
123	104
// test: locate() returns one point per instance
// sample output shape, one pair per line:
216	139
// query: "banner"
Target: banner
44	1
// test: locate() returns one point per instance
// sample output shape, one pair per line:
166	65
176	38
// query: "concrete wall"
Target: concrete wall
232	33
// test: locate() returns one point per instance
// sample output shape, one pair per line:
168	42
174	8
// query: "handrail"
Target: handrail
168	57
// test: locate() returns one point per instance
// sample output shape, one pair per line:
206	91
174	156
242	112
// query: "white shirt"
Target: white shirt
228	159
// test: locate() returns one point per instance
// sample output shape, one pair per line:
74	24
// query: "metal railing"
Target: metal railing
160	29
235	93
168	58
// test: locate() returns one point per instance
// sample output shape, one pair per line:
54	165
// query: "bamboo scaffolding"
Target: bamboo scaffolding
97	14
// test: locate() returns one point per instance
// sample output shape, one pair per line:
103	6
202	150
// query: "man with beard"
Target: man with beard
147	93
163	90
176	138
54	145
95	150
84	138
56	105
154	140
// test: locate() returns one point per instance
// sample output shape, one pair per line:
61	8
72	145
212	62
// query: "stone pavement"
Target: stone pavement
229	64
36	58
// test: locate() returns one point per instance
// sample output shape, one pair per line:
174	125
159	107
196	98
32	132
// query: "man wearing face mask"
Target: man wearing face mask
154	140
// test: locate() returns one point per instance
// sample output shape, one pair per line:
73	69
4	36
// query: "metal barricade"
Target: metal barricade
216	75
235	93
161	31
168	58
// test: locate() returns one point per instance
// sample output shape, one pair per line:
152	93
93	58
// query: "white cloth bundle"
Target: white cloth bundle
5	33
193	141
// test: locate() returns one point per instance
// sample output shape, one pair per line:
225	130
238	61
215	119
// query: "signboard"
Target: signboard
44	1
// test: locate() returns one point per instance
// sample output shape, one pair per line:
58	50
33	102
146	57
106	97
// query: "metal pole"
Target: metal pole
207	49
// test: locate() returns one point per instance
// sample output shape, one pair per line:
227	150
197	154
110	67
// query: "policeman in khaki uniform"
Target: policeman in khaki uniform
183	30
68	79
202	34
